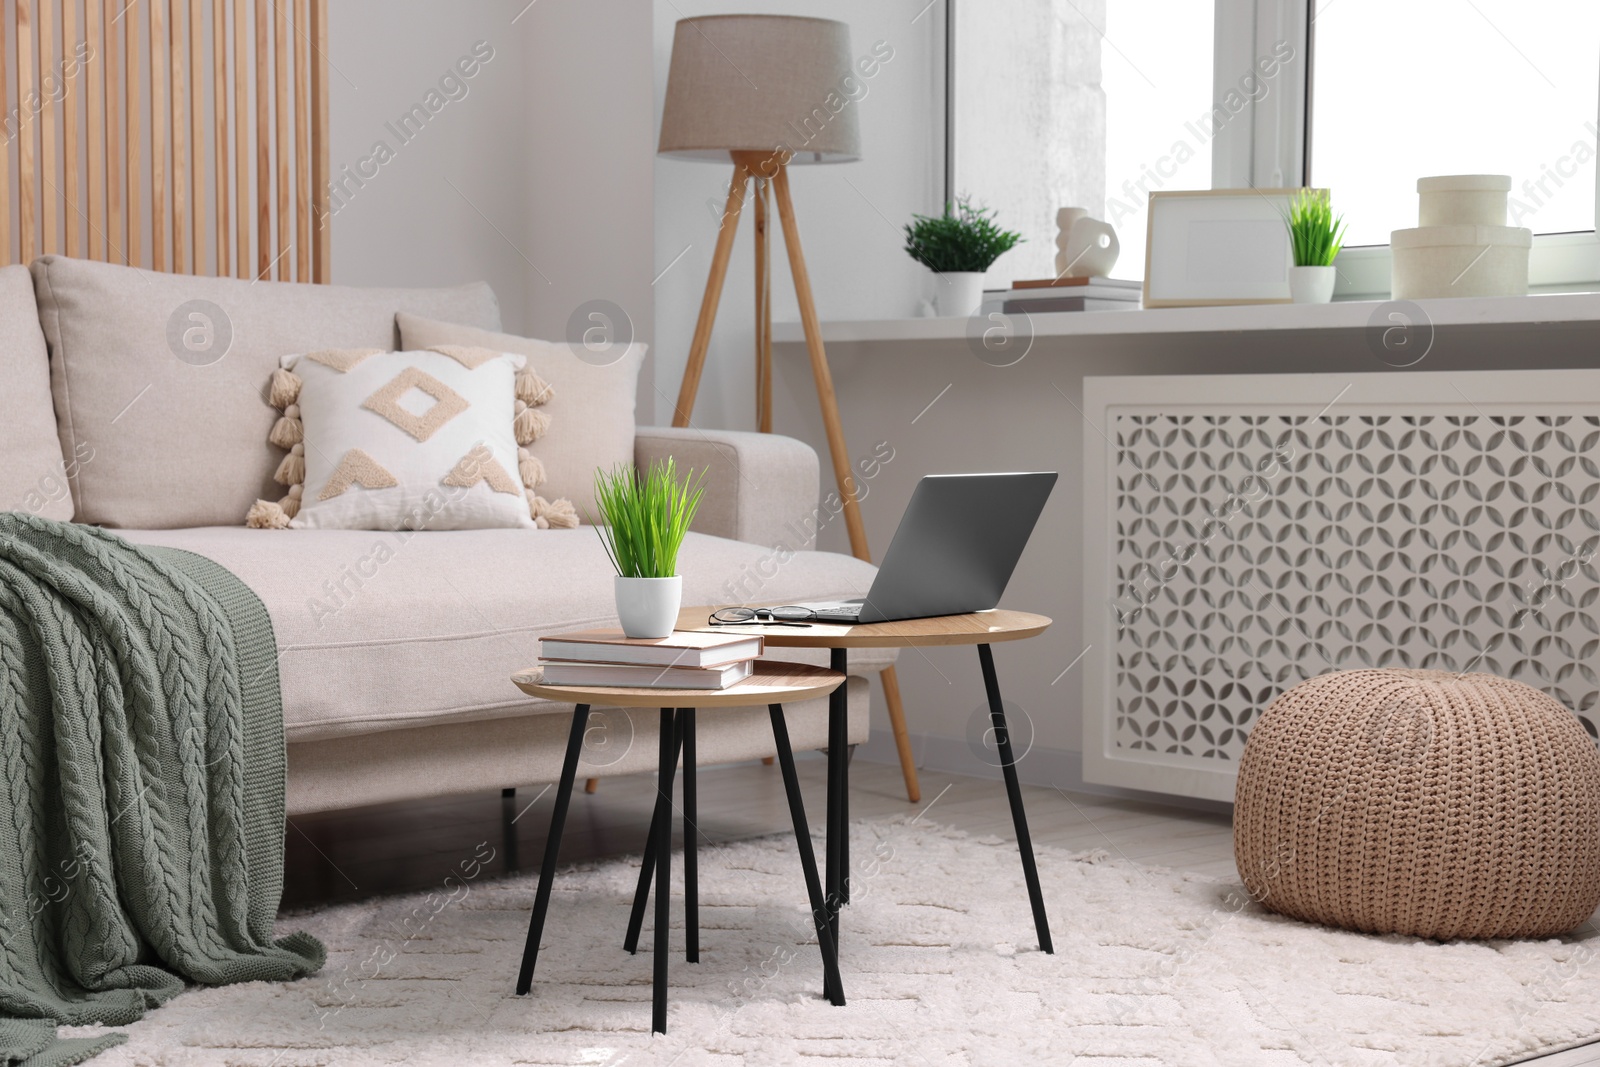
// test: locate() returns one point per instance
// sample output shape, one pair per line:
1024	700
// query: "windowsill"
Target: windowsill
1544	308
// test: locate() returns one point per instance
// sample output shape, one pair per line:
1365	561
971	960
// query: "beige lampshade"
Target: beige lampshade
761	83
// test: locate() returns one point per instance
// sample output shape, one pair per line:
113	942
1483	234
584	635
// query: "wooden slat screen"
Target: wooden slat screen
181	135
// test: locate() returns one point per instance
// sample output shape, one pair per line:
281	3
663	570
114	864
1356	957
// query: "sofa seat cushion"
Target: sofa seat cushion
165	377
379	630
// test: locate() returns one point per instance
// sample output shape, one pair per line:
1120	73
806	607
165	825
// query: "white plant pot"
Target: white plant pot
648	607
1310	285
957	293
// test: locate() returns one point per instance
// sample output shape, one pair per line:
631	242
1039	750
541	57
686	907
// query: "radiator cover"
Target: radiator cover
1245	532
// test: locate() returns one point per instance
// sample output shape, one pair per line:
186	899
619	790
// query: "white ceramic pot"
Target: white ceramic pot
957	293
1311	285
648	607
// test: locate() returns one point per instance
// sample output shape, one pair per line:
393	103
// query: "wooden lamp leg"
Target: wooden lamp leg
763	309
708	305
837	451
763	319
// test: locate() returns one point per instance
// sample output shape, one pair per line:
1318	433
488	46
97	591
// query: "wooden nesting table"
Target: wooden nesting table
982	628
772	684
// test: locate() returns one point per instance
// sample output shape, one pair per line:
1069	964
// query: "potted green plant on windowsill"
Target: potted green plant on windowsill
644	519
1316	236
958	246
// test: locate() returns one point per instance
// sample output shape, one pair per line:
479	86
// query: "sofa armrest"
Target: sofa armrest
759	487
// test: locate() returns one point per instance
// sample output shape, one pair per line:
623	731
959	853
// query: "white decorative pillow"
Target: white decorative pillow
432	439
593	409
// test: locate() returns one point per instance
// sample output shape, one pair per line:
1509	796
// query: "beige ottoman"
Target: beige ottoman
1421	802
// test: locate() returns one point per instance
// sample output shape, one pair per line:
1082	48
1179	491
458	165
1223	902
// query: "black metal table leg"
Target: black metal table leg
663	835
837	829
691	832
641	894
552	849
1019	817
832	984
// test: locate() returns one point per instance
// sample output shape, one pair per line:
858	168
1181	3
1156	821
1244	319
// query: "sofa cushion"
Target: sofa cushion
591	406
423	440
378	630
165	376
34	476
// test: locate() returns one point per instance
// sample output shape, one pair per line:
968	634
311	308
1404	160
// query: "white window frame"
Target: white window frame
1269	150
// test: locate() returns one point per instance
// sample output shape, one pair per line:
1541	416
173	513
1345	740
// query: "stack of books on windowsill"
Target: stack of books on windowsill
686	659
1041	295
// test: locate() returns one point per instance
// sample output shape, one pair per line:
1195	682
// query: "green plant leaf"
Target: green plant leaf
964	238
644	517
1314	233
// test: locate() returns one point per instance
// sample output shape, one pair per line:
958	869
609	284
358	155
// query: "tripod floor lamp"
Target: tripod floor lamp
764	92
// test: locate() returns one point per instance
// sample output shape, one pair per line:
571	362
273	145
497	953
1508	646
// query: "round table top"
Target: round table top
771	683
977	628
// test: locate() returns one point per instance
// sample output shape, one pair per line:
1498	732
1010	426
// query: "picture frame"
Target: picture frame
1214	247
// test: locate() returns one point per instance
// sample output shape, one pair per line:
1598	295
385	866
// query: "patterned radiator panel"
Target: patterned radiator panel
1251	551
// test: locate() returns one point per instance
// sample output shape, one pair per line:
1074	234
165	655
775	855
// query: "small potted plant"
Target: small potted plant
644	517
958	246
1316	236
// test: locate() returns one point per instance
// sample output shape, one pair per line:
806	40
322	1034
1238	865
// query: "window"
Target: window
1402	90
1097	103
1079	103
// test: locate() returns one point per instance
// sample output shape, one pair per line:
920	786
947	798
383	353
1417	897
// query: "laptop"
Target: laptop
954	551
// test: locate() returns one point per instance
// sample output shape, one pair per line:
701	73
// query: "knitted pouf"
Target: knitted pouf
1421	802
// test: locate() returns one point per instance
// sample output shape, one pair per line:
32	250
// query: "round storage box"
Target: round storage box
1463	200
1426	803
1443	261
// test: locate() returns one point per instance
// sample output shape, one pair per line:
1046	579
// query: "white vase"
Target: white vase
1085	247
648	607
1311	285
957	293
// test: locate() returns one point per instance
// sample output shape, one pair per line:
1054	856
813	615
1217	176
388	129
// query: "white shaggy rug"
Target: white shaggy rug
1152	969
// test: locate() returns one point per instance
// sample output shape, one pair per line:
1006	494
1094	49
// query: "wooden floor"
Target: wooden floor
416	846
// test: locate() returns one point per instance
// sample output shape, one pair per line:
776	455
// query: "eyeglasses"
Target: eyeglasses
783	616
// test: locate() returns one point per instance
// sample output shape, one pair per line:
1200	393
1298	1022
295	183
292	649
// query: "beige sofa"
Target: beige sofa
395	648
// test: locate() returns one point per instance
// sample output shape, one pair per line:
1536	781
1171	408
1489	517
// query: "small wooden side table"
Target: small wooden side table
981	628
771	684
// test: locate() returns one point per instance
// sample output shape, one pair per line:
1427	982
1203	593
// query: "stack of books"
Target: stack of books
1042	295
686	659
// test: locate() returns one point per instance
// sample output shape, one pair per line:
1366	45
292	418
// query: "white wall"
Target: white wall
537	179
850	215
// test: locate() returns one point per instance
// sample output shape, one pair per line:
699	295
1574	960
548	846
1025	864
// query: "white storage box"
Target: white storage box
1444	261
1463	200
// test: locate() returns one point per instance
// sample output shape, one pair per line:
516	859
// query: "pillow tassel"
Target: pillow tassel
531	468
285	388
530	424
265	515
292	471
288	431
553	514
291	503
532	389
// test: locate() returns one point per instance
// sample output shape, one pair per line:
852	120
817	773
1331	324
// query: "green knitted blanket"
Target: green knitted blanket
141	799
